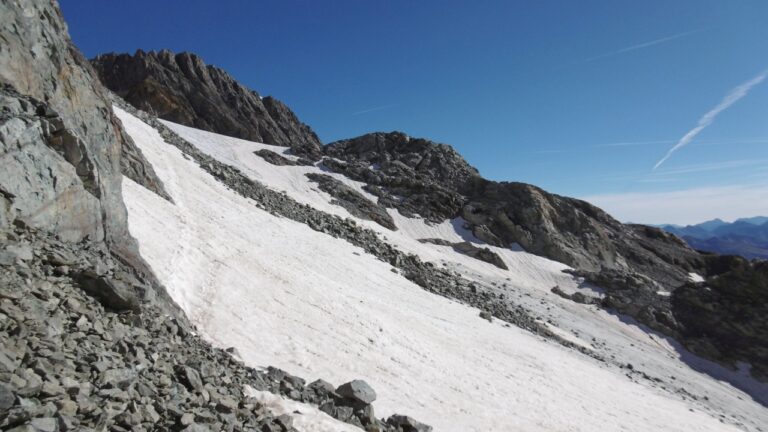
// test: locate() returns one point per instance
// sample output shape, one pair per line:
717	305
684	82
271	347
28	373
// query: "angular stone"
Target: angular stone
226	404
67	407
45	424
20	251
119	378
7	398
189	377
357	390
187	419
112	293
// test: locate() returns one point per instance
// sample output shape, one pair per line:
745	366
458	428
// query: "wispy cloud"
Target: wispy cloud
686	206
731	98
644	45
377	108
715	166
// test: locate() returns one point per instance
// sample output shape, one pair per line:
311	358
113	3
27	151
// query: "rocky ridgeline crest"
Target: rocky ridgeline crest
181	88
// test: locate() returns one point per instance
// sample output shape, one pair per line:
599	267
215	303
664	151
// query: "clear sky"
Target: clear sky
582	98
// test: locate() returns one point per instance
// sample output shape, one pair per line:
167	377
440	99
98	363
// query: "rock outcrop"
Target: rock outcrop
61	143
352	200
637	265
724	317
181	88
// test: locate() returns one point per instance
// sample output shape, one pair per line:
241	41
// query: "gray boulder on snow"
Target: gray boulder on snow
357	390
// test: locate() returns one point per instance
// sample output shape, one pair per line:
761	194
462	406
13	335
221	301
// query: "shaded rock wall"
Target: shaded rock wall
181	88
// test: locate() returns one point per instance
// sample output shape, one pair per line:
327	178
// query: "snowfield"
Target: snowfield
318	307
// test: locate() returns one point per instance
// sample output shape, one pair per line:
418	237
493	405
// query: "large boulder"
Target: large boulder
358	391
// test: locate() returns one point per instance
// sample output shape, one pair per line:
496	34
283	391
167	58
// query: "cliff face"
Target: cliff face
181	88
62	150
59	133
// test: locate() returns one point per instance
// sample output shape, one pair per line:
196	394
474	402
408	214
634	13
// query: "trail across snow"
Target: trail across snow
318	307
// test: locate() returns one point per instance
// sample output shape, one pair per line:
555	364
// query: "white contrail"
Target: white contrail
707	119
645	45
378	108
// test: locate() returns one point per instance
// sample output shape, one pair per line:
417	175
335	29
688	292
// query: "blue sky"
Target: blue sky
582	98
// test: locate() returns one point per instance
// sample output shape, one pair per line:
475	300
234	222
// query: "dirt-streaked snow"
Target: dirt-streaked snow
291	297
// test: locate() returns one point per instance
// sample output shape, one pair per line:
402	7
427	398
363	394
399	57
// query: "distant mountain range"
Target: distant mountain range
747	237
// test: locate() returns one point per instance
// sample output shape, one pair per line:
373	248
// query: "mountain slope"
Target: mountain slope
636	266
182	88
333	308
420	177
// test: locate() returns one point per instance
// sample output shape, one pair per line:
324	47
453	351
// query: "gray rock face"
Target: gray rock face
60	169
416	176
39	61
183	89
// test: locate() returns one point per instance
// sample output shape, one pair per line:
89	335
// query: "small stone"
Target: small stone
7	398
51	389
189	377
285	420
67	407
20	251
226	405
45	424
322	387
187	419
486	316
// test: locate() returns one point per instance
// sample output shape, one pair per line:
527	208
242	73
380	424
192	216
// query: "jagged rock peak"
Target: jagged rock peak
182	88
440	161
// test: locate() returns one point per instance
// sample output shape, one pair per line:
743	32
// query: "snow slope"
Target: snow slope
316	306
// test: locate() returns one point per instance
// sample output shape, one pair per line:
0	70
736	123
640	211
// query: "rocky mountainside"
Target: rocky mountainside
89	338
431	180
421	178
183	89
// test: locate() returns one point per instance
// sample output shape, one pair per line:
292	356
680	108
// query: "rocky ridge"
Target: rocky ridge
181	88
